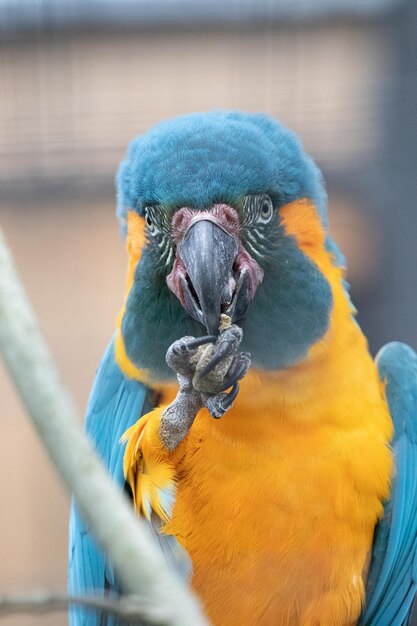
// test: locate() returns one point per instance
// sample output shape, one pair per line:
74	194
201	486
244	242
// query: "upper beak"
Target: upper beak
209	286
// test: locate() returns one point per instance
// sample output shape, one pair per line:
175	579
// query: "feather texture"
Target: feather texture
392	581
276	503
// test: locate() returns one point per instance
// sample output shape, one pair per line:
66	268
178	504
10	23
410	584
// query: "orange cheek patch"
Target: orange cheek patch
301	221
135	242
136	239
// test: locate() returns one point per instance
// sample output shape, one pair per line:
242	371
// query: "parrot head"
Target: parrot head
234	215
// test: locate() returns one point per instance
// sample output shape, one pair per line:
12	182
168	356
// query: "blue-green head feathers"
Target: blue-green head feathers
221	157
203	158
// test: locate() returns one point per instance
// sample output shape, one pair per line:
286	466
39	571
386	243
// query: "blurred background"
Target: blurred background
79	79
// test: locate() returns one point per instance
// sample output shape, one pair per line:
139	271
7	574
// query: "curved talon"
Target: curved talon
214	405
218	405
232	379
223	351
200	341
230	398
227	345
179	345
189	344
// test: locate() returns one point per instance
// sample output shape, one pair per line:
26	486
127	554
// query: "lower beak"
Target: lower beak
209	286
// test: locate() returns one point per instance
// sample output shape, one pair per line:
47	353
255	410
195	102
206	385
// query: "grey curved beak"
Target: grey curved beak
208	253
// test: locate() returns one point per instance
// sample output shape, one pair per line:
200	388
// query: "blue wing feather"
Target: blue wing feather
392	580
115	404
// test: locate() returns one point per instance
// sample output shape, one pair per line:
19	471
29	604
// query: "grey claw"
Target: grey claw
237	370
200	341
214	406
230	398
189	344
223	351
218	405
237	374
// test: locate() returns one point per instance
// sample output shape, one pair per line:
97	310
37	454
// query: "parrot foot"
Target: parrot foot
206	367
221	365
217	359
179	416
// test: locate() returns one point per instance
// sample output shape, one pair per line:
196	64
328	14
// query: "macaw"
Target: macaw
298	506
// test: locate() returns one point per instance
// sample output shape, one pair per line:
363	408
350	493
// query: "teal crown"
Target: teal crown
202	158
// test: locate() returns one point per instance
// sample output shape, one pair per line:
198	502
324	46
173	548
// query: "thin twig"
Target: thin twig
132	608
126	540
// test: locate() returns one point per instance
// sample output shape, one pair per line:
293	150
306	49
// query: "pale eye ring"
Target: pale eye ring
150	223
266	209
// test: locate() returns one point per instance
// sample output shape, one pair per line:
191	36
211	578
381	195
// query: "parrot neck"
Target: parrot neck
326	385
336	385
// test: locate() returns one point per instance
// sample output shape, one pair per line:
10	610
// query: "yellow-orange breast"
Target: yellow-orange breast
279	525
277	502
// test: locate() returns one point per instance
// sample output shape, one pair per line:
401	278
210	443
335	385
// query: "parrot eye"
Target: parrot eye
266	209
150	221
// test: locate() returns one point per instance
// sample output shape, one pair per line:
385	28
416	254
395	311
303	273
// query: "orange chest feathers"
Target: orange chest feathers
277	501
278	511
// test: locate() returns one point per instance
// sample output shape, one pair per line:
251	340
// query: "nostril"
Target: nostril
222	214
180	221
227	217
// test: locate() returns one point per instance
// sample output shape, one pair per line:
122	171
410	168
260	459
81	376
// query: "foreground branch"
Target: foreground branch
131	608
125	539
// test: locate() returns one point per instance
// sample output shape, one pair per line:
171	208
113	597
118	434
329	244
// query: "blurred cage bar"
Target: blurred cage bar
79	79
